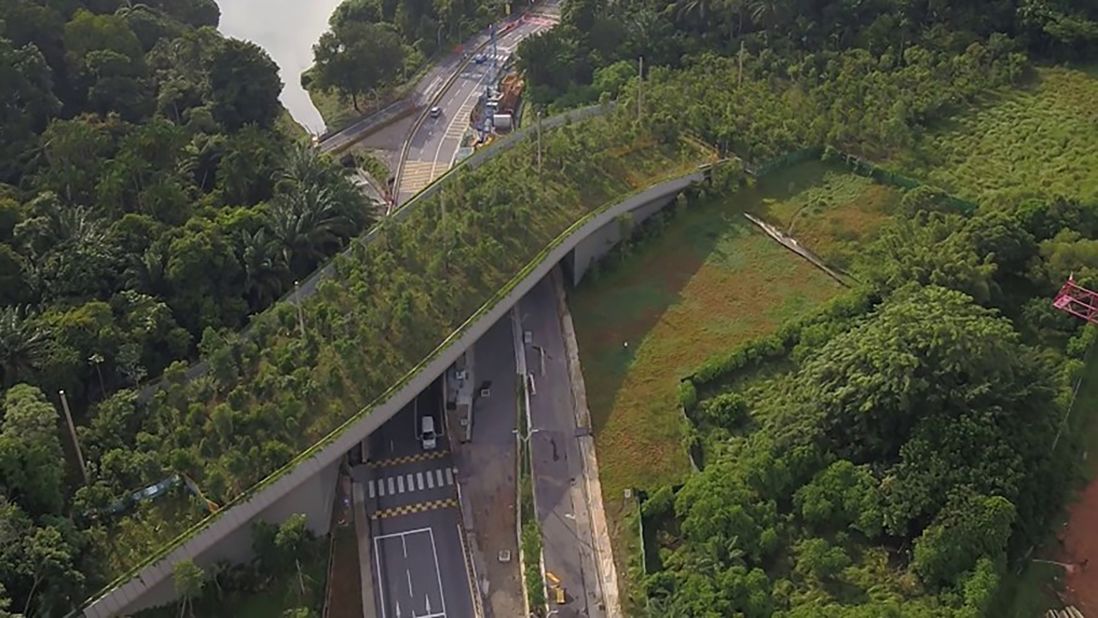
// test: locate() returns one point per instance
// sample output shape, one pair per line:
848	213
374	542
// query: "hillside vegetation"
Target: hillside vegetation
1036	141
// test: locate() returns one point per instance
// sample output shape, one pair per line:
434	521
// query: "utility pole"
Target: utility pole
739	78
72	433
537	116
300	312
640	87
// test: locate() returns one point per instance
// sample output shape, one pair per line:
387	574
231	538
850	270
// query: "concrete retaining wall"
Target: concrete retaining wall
598	244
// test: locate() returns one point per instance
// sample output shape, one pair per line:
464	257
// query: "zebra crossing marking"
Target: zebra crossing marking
409	482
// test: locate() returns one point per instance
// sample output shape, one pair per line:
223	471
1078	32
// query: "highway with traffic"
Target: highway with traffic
433	147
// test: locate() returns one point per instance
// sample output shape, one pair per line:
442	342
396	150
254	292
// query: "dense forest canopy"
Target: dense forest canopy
147	200
598	43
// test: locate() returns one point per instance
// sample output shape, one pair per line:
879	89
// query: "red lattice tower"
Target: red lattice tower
1077	301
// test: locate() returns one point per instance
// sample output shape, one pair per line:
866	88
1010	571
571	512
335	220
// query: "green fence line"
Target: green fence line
886	176
323	443
787	160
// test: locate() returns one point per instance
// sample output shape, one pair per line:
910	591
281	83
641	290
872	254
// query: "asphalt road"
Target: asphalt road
433	147
488	463
557	463
419	565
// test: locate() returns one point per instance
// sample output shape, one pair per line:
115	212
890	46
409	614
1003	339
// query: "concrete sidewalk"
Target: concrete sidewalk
365	554
600	532
486	467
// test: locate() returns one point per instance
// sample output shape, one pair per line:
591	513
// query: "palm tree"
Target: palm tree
316	210
768	14
687	9
304	166
309	227
265	270
23	345
148	271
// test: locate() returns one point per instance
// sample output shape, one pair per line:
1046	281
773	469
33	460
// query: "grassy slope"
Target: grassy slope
1037	141
708	282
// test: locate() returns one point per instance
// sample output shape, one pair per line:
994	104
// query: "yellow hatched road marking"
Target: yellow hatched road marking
417	174
407	459
411	509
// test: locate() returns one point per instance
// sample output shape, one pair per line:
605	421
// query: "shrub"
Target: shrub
725	410
688	395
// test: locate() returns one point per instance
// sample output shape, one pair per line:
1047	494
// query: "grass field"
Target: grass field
1037	141
826	208
707	282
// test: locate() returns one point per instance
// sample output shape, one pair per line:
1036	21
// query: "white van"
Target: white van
427	433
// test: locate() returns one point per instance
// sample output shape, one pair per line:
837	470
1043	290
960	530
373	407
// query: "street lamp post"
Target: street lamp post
300	313
97	360
72	433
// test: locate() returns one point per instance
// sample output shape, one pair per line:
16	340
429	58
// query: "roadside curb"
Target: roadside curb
600	532
409	109
365	551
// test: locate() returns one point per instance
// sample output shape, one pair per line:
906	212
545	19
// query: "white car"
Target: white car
435	112
427	433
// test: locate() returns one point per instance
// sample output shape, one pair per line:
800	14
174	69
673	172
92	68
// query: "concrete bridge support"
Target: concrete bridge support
600	242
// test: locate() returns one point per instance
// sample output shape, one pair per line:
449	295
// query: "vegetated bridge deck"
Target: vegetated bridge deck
305	484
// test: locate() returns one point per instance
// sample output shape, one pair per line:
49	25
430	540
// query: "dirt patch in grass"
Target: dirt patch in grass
1030	142
1080	546
1071	539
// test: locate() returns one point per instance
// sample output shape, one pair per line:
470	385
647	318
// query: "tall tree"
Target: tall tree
356	58
31	460
23	345
27	104
244	86
189	580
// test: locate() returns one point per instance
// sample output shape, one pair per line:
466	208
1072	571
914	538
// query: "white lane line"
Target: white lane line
392	489
438	473
419	480
405	533
430	480
400	484
449	476
381	487
380	577
371	484
411	483
454	120
438	573
409	574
